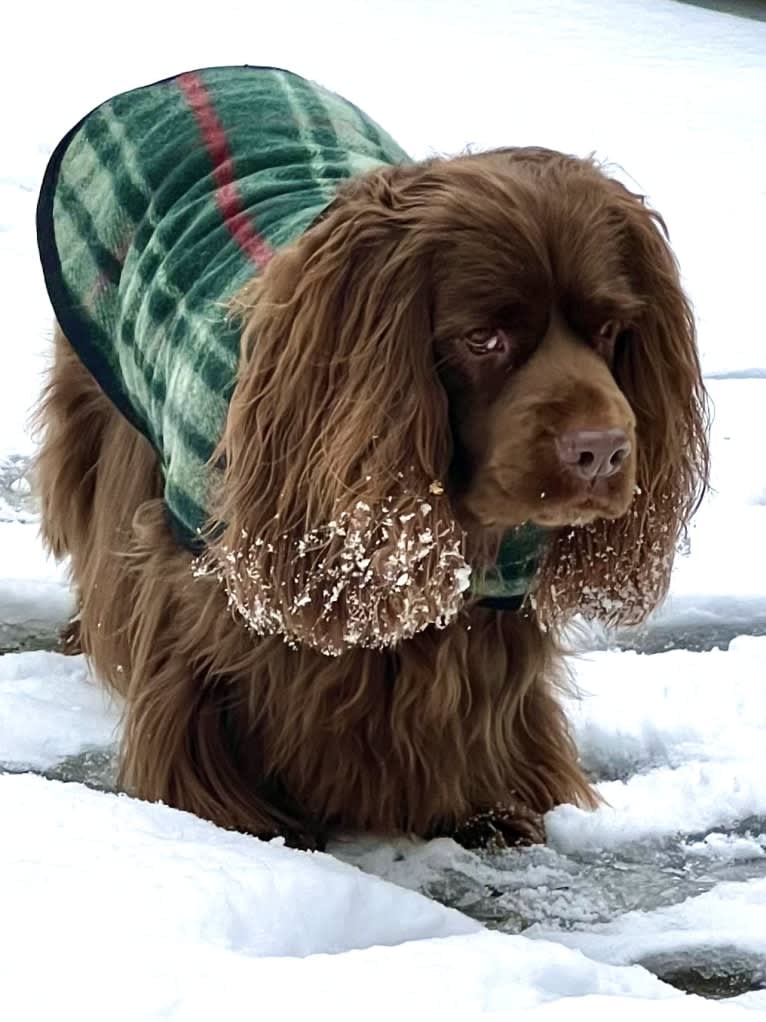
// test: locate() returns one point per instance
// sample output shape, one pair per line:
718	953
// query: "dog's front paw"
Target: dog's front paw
508	825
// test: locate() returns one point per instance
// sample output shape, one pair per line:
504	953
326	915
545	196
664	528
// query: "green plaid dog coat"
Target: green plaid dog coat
156	209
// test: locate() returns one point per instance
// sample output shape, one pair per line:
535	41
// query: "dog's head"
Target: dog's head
457	348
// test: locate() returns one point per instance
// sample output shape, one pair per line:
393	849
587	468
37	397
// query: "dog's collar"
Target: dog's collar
505	585
512	603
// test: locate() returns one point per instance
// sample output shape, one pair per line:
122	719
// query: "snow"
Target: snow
34	594
686	751
51	709
116	908
735	911
724	577
211	903
213	922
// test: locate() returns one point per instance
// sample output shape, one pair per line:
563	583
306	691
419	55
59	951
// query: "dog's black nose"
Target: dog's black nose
593	453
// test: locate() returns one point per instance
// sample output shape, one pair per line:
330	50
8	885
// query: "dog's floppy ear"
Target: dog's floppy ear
335	527
620	570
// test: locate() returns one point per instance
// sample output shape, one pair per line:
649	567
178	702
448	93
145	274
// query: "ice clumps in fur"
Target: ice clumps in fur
367	578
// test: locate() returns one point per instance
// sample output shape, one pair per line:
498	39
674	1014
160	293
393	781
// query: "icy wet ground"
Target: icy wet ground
34	595
671	873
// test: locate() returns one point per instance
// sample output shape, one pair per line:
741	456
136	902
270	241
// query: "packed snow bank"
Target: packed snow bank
51	709
730	916
176	919
680	733
680	759
720	585
35	596
152	869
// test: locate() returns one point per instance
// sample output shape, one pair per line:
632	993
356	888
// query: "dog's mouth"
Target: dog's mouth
582	513
580	505
600	499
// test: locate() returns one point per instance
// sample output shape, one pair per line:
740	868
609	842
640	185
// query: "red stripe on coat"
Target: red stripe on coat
227	196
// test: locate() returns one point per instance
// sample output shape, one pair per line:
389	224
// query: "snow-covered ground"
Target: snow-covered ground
669	875
114	908
140	912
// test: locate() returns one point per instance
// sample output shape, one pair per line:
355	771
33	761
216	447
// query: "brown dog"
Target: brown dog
453	349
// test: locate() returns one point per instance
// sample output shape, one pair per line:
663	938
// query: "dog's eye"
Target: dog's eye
488	341
607	338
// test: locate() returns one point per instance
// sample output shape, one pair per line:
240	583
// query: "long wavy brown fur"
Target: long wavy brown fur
355	388
619	569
